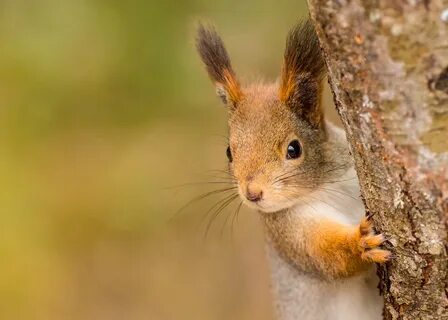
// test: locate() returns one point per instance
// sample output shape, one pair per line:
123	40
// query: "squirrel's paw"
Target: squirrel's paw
369	243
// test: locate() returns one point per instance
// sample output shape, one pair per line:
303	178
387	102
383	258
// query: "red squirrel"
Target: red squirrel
295	169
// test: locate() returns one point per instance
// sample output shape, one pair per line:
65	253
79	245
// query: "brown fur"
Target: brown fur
216	59
232	86
264	119
323	247
302	72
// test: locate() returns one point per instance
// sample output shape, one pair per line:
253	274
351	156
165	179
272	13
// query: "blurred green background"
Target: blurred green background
104	109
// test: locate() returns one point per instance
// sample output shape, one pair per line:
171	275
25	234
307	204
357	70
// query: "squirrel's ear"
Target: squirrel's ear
302	73
214	55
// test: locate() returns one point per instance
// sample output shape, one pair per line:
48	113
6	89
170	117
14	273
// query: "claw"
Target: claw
376	255
372	241
369	243
365	227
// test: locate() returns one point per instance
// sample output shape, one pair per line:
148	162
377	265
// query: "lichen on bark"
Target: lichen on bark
387	62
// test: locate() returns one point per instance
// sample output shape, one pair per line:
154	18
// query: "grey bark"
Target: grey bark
388	70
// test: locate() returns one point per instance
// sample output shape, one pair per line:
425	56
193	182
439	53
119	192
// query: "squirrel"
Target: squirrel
295	169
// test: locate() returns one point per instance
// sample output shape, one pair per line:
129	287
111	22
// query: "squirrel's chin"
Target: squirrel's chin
266	207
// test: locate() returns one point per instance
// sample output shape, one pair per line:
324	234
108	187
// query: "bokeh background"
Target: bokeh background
107	121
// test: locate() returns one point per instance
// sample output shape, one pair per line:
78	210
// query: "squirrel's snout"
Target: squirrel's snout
254	195
252	188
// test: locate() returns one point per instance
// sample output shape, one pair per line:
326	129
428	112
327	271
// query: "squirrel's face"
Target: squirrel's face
277	134
273	154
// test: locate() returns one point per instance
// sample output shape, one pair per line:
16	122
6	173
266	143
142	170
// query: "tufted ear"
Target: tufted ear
214	55
302	73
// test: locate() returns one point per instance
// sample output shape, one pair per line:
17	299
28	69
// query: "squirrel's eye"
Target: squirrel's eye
229	154
294	150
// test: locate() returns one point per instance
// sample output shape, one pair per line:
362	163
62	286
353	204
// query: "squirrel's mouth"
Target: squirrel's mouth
269	203
266	205
264	199
254	203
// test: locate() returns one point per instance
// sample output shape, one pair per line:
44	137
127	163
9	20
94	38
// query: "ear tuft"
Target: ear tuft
303	71
302	58
214	55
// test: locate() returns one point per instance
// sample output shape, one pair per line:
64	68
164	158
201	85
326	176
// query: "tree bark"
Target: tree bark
388	69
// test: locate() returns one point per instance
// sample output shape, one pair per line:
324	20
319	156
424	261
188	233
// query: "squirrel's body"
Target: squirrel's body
295	169
301	296
298	296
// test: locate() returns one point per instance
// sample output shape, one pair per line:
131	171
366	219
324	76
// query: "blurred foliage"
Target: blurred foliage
104	106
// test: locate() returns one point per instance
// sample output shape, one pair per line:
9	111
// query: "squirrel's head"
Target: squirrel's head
277	137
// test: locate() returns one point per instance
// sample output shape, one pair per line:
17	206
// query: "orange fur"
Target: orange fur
232	86
263	121
343	250
288	84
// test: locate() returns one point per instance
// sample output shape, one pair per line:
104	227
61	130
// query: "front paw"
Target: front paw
369	243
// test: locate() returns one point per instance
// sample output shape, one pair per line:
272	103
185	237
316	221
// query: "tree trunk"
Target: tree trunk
388	70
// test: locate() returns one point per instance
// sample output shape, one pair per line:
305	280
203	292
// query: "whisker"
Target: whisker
221	171
227	201
197	184
216	204
329	204
235	215
291	185
298	174
276	179
200	197
300	198
306	202
339	192
341	166
342	180
225	224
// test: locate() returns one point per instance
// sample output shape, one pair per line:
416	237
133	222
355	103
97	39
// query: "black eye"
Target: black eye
229	154
294	150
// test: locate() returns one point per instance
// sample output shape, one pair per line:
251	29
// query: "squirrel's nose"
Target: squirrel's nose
254	195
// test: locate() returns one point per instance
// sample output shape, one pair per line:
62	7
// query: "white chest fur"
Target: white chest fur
300	296
338	200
